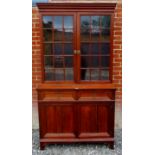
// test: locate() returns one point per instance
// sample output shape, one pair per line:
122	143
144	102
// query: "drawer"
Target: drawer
109	94
56	95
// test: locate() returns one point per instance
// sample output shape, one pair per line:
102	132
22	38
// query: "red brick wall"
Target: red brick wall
117	53
36	54
117	61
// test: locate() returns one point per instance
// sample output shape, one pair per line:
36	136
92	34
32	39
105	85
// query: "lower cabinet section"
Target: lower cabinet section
76	121
57	120
96	120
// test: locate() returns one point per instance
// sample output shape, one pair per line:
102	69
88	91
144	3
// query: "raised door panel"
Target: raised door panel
57	121
96	120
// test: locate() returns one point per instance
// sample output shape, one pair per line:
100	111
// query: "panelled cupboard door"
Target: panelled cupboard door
57	120
96	120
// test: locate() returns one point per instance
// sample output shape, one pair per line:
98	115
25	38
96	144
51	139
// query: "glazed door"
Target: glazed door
59	44
94	44
77	47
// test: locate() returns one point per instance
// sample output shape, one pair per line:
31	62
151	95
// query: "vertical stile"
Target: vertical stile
63	42
90	58
100	42
53	48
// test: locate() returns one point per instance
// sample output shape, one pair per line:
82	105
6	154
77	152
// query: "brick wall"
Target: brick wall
36	54
117	53
36	61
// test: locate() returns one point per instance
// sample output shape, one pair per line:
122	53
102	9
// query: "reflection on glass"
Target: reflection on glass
68	22
95	35
47	35
47	21
85	74
58	62
59	74
105	61
105	35
68	49
68	62
85	22
95	74
58	22
85	35
49	74
84	48
57	49
69	74
95	48
48	61
68	34
104	74
105	48
85	61
58	34
48	49
105	21
95	22
94	61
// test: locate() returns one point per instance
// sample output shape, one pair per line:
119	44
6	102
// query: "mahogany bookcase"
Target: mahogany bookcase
76	99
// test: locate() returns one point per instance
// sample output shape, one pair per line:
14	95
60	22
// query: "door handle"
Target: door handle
77	51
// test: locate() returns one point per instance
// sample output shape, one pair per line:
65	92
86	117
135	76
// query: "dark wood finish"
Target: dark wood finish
76	111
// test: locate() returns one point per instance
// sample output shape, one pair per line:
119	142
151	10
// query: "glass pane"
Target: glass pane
68	49
85	22
48	49
59	74
85	35
49	74
57	49
95	20
95	48
47	35
94	61
85	48
58	22
105	21
95	74
58	62
85	74
68	34
68	22
47	22
48	61
85	61
95	35
68	62
58	34
105	48
105	61
69	74
105	35
104	74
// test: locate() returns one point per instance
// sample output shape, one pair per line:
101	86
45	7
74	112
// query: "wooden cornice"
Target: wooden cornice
47	7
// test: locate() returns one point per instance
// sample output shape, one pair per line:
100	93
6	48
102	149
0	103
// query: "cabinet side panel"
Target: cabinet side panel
42	120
